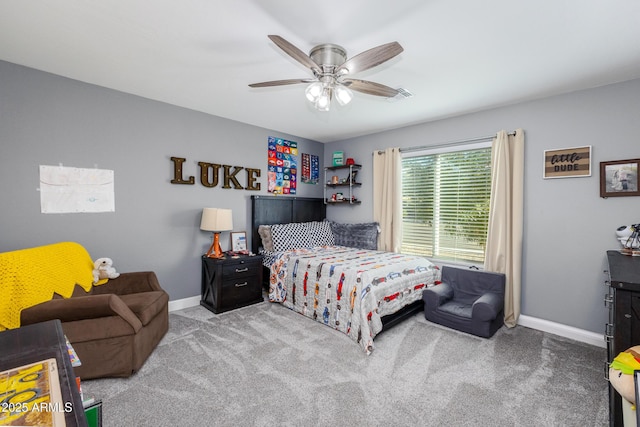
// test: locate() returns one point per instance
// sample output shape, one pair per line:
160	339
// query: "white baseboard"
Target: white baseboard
184	303
527	321
563	330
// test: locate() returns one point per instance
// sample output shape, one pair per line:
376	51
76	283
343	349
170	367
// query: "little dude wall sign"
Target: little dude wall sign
567	162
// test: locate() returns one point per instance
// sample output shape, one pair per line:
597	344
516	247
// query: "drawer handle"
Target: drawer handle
242	270
239	285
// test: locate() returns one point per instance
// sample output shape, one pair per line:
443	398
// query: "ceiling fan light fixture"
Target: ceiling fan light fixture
343	95
324	100
329	65
313	91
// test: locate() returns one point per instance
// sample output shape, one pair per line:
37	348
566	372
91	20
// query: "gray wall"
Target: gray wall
50	120
568	227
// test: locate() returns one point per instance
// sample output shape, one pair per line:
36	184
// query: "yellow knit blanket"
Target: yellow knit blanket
31	276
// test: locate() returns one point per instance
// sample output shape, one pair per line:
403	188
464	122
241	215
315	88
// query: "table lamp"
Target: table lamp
216	220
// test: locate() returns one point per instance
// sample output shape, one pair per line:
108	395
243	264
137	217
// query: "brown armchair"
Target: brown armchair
114	327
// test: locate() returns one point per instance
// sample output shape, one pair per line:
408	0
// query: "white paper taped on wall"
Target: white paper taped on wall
76	190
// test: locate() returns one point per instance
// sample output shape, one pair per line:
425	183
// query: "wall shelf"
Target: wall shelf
347	179
344	202
356	184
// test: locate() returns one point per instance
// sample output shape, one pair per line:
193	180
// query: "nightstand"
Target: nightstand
231	282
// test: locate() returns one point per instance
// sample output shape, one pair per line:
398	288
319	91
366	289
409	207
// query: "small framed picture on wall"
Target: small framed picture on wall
239	241
567	162
619	178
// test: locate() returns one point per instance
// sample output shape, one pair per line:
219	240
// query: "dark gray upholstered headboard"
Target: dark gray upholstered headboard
267	210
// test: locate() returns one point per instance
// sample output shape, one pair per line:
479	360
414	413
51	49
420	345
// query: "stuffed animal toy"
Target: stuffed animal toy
104	270
621	372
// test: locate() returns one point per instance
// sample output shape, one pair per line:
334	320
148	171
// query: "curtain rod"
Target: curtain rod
448	144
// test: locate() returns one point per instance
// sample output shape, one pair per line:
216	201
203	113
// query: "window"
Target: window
445	203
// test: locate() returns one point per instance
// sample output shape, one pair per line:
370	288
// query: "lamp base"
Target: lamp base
215	251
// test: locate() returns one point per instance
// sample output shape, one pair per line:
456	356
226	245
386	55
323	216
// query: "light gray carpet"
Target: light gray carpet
264	365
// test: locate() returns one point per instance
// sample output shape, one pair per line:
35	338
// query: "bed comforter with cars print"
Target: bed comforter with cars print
349	289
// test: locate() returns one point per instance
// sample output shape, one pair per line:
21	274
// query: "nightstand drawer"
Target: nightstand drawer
240	290
241	269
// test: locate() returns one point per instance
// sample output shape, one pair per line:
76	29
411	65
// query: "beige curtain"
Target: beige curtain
387	197
504	236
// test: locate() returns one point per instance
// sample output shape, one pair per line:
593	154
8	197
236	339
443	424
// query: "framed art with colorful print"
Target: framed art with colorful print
282	166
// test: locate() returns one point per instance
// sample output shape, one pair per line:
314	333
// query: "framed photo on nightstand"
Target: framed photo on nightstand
238	241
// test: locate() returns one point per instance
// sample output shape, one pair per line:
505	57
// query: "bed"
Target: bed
356	290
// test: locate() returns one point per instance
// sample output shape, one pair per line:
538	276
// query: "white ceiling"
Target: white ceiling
459	56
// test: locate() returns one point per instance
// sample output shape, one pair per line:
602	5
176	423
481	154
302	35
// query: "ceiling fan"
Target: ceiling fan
332	70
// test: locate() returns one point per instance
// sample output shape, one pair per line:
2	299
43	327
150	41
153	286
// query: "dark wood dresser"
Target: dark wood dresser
623	328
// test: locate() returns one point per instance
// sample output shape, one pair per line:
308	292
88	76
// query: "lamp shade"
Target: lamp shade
214	219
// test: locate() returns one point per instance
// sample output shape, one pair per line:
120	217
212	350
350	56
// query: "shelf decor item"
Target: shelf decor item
629	237
338	158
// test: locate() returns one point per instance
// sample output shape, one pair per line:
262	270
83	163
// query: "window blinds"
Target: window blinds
445	204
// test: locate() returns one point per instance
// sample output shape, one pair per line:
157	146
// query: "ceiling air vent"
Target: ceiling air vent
402	94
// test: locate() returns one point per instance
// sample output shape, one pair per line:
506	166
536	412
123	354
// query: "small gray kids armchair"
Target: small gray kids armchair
468	300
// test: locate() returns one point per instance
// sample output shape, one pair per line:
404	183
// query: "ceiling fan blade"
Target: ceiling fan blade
295	53
370	58
281	82
370	88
